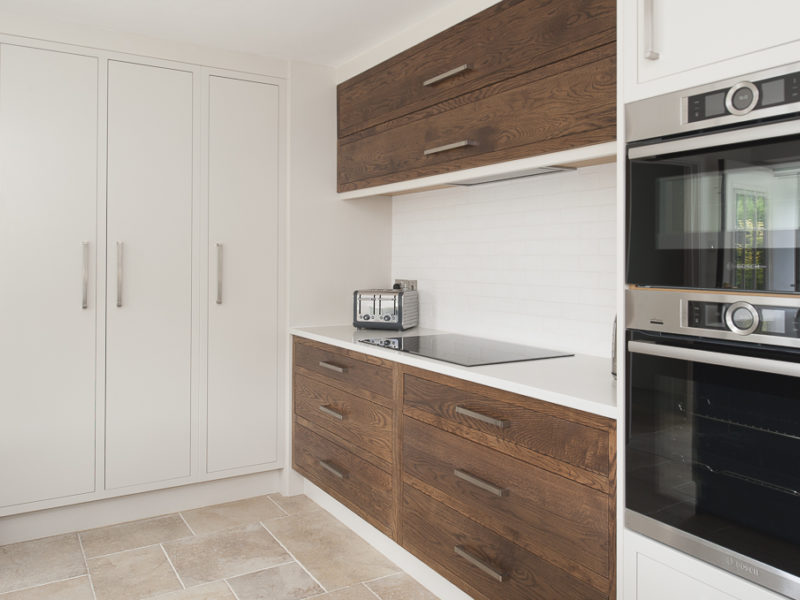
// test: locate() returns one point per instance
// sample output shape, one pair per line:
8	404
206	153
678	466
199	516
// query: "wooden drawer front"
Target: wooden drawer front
548	433
565	106
558	519
361	422
350	373
508	39
363	487
433	531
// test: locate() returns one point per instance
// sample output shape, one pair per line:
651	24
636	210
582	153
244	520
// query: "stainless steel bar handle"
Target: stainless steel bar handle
767	365
331	412
446	75
119	273
447	147
333	470
219	273
500	423
480	483
492	572
332	367
649	31
85	275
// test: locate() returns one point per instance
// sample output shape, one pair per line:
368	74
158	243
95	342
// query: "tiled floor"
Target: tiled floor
263	548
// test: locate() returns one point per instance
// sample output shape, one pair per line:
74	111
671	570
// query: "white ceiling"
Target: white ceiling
328	32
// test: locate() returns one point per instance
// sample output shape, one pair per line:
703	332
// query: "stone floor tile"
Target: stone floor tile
286	582
136	534
355	592
295	505
36	562
218	590
399	587
132	574
77	588
231	514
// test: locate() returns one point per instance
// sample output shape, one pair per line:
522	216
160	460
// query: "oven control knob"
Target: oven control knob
741	98
742	318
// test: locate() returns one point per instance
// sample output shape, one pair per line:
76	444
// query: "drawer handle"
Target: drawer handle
446	75
332	367
476	562
480	483
331	412
447	147
649	28
500	423
333	470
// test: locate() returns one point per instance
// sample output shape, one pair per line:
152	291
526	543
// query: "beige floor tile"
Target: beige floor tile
295	505
231	514
136	534
399	587
217	590
333	554
27	564
286	582
132	574
356	592
78	588
224	554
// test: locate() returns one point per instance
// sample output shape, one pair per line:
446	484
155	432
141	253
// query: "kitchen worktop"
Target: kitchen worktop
581	381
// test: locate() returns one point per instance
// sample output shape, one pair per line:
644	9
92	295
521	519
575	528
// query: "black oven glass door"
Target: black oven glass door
714	449
719	217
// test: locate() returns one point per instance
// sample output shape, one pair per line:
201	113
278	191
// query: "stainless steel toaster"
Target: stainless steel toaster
385	309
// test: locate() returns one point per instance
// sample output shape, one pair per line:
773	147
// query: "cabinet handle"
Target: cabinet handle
85	275
219	273
500	423
649	31
480	483
492	572
332	367
333	470
447	147
331	412
446	75
119	274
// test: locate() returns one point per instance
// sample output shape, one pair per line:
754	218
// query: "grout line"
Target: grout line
280	508
185	522
383	576
302	566
373	592
174	570
38	585
231	589
86	564
137	548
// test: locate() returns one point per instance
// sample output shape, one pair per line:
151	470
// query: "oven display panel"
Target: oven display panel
771	92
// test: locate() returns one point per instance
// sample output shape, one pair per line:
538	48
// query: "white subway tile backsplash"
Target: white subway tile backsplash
529	261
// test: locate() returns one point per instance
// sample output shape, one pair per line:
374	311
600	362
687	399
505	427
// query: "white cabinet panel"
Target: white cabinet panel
148	403
243	235
48	209
657	581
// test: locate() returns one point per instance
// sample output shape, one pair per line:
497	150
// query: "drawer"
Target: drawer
363	423
484	564
363	487
558	519
559	107
364	375
545	428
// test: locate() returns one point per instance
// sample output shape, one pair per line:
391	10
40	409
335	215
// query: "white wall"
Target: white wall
531	261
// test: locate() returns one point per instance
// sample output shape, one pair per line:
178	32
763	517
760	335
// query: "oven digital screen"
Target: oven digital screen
772	92
773	321
715	104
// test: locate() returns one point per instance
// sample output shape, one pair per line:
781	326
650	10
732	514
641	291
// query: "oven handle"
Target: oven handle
735	361
725	138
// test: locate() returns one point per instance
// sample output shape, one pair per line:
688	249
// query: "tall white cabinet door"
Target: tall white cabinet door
243	239
48	222
148	362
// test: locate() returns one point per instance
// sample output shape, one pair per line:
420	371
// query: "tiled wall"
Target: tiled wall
529	261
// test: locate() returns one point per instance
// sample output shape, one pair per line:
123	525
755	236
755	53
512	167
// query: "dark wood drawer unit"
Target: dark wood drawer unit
360	485
486	565
508	39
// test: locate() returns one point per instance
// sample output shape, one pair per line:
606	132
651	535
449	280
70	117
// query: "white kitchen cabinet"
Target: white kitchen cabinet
242	273
48	245
149	274
670	45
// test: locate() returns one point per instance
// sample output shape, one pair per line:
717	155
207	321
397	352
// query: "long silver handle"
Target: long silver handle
85	275
119	273
333	470
219	273
446	75
332	367
649	31
500	423
447	147
331	412
480	483
492	572
749	363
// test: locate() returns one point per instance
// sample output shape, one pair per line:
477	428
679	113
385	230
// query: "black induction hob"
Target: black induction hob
463	349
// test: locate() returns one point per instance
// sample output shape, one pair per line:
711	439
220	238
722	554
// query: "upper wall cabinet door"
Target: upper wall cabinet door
243	273
149	290
48	308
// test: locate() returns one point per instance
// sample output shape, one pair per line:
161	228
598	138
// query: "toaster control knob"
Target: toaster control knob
365	317
387	318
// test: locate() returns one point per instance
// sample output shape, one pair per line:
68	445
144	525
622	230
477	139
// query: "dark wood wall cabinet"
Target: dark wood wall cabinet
521	78
506	496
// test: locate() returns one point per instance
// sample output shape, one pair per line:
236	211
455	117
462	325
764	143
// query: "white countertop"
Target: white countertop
581	381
